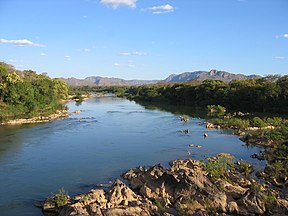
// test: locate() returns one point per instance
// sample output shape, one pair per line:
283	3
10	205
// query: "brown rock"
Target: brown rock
121	195
133	173
50	206
235	191
126	211
96	196
219	201
185	188
232	207
252	204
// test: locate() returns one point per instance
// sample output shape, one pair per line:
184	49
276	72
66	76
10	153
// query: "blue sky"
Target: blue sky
144	39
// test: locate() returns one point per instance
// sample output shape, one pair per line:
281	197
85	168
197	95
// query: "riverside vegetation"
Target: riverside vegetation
268	94
220	185
26	94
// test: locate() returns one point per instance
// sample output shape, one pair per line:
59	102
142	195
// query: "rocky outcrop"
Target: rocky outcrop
186	188
203	75
118	200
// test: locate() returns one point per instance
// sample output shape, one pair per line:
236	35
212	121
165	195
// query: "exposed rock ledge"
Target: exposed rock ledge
38	119
184	189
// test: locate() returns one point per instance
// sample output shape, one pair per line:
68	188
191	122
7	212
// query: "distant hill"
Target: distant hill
105	81
203	75
183	77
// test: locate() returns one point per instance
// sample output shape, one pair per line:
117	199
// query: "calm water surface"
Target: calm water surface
110	136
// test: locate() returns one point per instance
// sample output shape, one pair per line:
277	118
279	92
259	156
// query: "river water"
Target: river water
109	136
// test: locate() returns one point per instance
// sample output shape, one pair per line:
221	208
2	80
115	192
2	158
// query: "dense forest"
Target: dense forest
269	94
27	94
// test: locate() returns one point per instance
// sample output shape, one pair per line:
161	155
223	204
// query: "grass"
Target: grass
232	123
216	167
269	197
160	205
244	168
60	198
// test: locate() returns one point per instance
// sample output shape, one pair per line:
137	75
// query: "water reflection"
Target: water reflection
175	109
10	141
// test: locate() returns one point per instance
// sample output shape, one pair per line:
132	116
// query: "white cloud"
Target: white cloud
282	36
125	53
23	42
117	64
134	53
139	53
85	17
67	57
161	9
86	50
279	57
117	3
43	54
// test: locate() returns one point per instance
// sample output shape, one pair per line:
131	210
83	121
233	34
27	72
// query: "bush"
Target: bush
217	166
61	198
276	121
216	109
244	168
233	123
26	93
258	122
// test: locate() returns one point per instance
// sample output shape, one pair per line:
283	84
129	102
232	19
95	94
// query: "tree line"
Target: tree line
269	94
27	94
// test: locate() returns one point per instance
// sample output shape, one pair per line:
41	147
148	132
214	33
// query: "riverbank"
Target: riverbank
39	119
220	186
271	134
58	114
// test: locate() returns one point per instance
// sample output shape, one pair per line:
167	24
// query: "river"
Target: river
109	136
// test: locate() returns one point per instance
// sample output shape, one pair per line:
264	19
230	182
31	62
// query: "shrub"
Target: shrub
61	198
258	122
266	196
216	109
244	168
217	166
276	121
235	123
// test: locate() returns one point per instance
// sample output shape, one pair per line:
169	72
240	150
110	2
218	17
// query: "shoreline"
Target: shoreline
38	119
59	114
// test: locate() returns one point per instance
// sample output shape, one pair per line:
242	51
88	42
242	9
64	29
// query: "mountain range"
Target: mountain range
105	81
203	75
183	77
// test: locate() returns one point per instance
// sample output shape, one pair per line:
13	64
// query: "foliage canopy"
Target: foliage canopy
26	93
